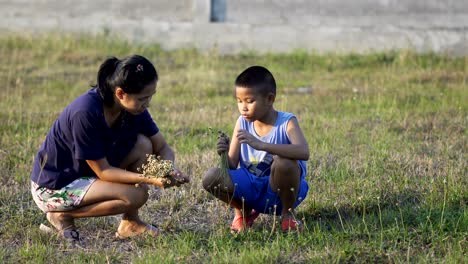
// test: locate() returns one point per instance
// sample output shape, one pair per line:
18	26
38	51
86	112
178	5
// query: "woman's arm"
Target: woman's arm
106	172
161	148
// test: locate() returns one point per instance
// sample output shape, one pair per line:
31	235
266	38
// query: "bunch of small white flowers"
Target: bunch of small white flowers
155	167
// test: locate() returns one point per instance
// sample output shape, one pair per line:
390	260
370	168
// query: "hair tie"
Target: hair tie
139	68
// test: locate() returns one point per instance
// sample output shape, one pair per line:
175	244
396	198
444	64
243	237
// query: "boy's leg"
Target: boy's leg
222	187
285	180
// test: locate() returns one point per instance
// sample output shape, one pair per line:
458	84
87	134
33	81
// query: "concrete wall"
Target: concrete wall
259	25
309	11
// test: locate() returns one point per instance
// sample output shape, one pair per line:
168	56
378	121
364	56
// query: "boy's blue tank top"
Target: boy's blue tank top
259	162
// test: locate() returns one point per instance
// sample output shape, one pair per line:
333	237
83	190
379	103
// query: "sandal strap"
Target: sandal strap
71	234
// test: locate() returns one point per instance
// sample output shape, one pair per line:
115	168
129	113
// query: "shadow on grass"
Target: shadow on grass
408	209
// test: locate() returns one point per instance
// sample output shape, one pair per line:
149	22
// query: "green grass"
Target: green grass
387	134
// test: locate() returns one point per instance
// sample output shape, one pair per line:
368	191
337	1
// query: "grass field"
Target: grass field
387	134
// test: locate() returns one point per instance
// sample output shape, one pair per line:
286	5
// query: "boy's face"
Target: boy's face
136	103
253	106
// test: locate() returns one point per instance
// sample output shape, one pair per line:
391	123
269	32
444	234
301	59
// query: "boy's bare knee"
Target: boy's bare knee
282	167
211	179
281	163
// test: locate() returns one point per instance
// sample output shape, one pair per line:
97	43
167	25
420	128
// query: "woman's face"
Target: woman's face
136	103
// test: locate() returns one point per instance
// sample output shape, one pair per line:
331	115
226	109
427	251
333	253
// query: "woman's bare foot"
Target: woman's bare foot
60	221
65	227
129	228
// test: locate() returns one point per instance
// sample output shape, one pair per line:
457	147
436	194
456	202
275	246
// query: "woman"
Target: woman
88	164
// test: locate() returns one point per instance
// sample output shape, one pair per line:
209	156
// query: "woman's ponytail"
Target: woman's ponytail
105	83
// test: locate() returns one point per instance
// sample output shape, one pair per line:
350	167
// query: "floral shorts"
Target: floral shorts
65	199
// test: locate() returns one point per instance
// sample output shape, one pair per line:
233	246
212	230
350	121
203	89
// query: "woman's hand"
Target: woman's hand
175	178
179	177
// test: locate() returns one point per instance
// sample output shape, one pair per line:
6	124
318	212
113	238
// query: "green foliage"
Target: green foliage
386	131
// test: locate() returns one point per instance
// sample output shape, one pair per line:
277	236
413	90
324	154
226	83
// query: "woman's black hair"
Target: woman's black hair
131	73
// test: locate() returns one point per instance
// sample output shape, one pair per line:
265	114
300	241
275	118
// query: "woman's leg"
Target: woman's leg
138	155
134	160
107	198
285	179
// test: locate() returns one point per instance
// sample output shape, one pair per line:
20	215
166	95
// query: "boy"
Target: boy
266	156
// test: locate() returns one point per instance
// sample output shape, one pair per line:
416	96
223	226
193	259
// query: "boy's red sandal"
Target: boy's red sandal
238	222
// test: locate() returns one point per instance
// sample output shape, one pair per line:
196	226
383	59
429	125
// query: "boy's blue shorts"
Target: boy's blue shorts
258	194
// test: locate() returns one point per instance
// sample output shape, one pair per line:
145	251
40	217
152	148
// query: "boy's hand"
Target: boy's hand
245	137
223	145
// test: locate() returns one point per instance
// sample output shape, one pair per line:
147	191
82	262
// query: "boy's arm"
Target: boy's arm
297	150
234	149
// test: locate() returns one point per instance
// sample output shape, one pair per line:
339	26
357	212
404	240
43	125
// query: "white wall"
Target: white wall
256	25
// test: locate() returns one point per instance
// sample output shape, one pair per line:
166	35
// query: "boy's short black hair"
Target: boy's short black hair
258	78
